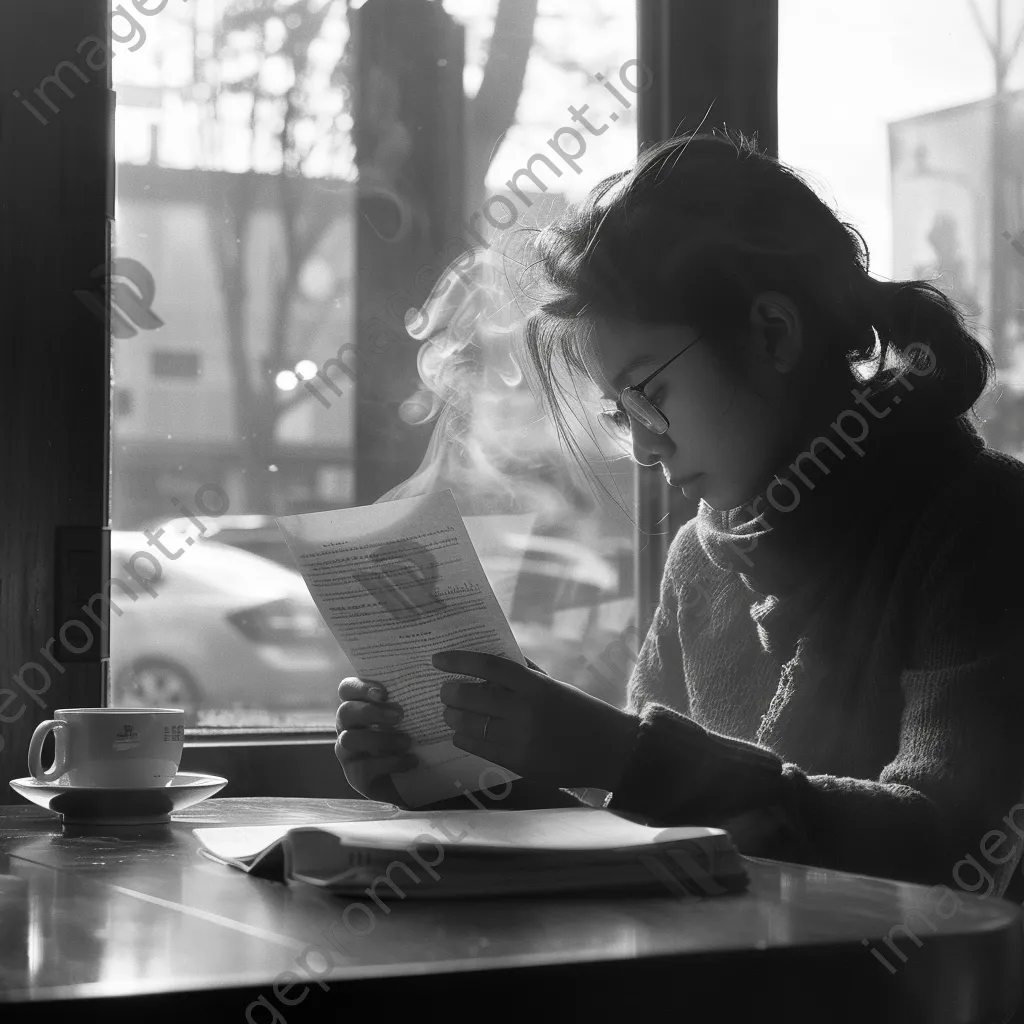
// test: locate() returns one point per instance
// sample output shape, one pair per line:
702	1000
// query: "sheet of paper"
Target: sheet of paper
396	582
241	843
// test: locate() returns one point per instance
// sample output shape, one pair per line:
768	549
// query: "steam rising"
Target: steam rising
491	443
466	325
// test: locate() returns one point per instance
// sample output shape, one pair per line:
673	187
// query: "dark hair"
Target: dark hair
700	226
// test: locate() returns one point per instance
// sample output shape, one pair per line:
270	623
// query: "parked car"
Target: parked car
255	533
225	629
573	612
568	605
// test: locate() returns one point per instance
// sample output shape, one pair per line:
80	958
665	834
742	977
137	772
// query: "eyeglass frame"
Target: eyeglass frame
639	390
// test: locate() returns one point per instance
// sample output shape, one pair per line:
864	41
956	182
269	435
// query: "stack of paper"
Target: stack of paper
485	853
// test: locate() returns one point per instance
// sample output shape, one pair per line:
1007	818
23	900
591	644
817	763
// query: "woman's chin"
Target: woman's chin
719	498
713	492
694	487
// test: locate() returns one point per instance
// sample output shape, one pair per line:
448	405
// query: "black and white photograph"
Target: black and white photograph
509	511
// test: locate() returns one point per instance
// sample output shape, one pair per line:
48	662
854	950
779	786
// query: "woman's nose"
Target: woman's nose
649	448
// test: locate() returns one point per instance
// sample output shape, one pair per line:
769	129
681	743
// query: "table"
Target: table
136	921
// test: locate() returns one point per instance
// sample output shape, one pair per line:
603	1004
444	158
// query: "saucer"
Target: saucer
89	805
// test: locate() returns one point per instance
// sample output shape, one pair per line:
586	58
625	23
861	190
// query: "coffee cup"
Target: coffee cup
110	748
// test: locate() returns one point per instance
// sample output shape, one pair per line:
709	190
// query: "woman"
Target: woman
833	671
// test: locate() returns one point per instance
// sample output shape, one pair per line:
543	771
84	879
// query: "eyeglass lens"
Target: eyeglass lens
640	409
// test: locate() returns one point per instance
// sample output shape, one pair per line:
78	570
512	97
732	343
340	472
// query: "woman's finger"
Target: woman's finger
354	688
359	714
389	765
504	757
373	742
491	667
479	728
483	698
375	767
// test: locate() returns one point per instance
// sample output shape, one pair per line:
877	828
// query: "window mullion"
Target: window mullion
721	60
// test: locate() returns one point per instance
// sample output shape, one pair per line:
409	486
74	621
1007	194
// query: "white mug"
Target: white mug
110	748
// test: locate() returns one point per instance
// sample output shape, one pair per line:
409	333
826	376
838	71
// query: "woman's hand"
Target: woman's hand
369	746
538	727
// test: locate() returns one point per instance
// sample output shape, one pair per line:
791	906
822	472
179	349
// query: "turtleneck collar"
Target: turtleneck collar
803	521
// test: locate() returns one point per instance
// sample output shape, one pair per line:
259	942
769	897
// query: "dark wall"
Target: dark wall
54	355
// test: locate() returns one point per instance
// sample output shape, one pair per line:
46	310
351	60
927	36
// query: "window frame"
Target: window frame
57	169
55	531
722	58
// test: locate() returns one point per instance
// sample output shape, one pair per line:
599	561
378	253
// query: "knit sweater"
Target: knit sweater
841	683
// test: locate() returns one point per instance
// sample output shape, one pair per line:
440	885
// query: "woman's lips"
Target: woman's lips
683	481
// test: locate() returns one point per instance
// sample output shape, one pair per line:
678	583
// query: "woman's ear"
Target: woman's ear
776	330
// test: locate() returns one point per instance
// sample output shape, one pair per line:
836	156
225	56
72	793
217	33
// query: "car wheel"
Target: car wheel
159	684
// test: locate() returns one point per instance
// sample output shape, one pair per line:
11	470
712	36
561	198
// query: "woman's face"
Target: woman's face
726	405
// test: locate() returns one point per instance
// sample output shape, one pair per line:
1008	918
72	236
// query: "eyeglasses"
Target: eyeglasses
633	404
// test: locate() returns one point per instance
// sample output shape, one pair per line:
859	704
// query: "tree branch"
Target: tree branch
989	40
561	60
1012	52
492	111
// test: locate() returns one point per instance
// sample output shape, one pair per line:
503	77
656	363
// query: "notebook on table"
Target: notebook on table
448	854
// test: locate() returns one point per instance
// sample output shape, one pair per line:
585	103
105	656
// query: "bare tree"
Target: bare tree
288	129
492	111
260	58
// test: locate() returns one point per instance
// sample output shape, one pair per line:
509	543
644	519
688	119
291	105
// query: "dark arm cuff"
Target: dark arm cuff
680	773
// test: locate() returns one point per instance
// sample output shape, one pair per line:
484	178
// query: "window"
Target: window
895	107
292	178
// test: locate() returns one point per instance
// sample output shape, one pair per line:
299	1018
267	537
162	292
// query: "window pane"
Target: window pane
292	179
900	131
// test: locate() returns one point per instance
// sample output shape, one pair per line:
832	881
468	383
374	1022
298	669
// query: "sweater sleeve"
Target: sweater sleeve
953	788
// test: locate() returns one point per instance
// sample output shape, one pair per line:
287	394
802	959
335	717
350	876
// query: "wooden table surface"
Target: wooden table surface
136	920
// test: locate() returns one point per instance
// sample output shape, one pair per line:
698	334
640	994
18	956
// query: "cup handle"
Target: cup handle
35	750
